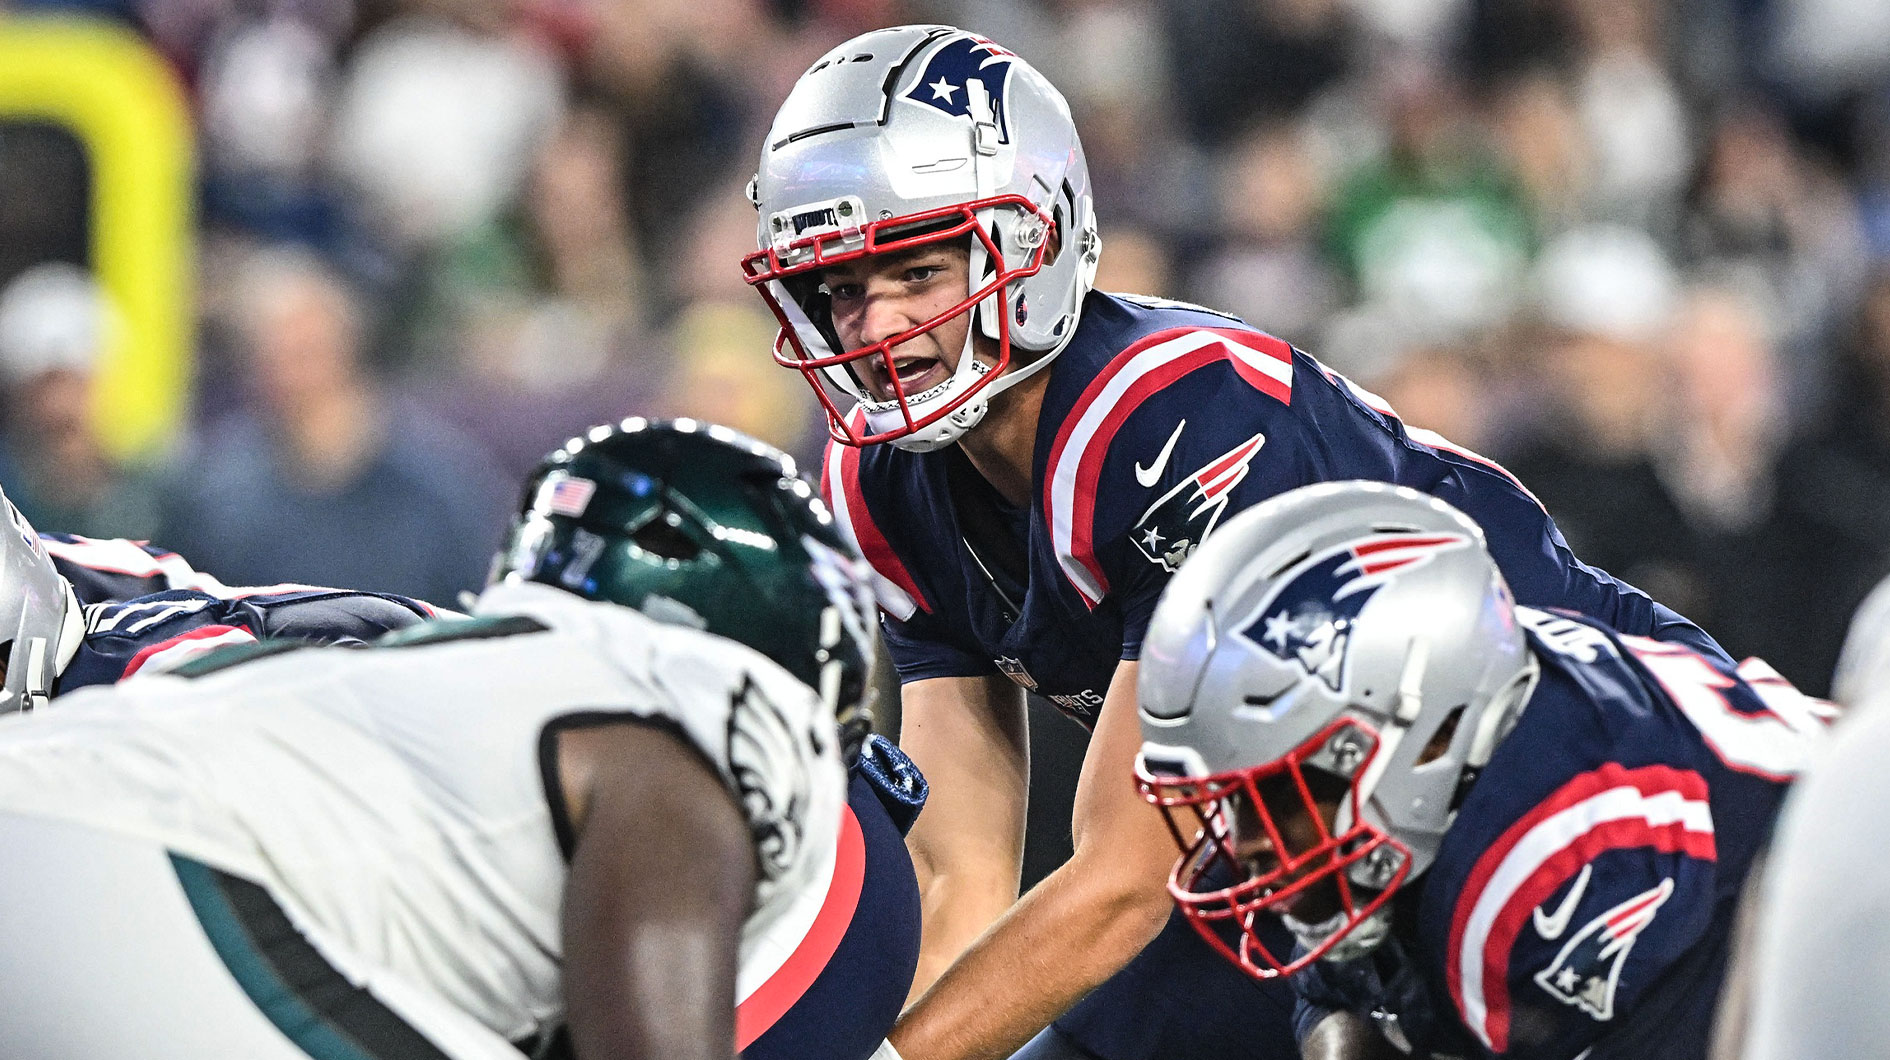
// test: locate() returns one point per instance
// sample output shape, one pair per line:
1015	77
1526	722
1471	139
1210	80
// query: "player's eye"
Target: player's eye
922	273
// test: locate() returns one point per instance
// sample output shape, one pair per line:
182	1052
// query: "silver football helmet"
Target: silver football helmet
1318	685
912	136
38	608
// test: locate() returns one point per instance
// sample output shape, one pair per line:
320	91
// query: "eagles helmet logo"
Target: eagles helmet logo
1174	526
764	758
946	83
1309	620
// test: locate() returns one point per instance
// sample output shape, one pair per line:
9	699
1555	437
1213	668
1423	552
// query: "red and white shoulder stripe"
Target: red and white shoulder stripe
117	555
1422	436
897	592
175	651
1610	808
1138	372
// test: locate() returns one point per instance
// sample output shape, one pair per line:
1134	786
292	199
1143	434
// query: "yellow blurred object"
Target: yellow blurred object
124	104
724	375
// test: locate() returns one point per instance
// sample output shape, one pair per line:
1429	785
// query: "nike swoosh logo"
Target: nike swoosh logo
1148	476
1551	927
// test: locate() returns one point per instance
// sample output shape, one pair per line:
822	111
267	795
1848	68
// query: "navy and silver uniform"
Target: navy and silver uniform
150	634
1585	894
1160	419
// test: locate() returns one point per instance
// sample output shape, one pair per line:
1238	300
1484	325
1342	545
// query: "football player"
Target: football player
1025	463
1491	830
612	798
63	640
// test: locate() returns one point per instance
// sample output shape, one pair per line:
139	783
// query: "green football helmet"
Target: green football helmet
699	525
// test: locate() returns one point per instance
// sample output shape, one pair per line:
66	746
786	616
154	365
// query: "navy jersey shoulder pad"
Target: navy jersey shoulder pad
102	570
1174	406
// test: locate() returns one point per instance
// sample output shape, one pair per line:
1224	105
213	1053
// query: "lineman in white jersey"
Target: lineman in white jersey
608	799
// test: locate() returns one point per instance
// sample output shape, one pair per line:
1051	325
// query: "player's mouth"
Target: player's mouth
917	374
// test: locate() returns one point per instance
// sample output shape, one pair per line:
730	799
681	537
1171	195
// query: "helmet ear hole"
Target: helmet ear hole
661	539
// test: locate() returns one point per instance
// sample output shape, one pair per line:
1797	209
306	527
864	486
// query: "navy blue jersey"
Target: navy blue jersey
106	569
1158	420
1585	893
159	631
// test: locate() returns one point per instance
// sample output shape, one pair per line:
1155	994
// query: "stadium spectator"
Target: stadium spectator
328	479
55	323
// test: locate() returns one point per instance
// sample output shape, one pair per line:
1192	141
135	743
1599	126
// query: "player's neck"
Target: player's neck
1003	446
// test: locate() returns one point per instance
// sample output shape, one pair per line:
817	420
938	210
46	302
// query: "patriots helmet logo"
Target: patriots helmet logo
946	83
1175	525
1309	619
1587	971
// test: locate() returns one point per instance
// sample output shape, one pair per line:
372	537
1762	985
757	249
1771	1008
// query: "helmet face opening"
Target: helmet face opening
1285	839
787	273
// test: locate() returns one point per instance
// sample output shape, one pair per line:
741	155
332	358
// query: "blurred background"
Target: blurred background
300	288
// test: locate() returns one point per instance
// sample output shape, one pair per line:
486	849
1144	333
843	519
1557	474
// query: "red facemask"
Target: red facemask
1294	849
787	275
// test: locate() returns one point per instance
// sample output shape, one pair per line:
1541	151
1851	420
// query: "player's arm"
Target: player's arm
1072	931
662	875
968	736
1344	1036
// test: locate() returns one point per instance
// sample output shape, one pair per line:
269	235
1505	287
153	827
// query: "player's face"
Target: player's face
1299	830
877	297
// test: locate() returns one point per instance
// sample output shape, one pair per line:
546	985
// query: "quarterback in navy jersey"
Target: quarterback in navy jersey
1026	462
1491	830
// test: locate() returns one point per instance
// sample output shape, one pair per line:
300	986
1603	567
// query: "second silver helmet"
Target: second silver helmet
1351	650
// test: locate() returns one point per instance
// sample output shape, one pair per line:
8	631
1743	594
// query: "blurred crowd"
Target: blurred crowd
1638	250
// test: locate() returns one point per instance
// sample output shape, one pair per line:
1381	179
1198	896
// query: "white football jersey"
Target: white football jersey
395	801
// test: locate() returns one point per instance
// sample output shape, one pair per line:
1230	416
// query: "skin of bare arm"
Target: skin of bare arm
1072	931
1343	1036
661	879
968	735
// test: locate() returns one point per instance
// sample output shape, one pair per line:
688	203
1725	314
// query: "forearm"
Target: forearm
957	906
1063	939
1343	1036
969	737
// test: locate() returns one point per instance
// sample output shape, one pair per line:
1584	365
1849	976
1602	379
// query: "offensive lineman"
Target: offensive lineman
1026	464
612	797
70	631
1493	831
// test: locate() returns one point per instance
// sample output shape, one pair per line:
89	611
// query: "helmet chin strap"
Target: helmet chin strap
40	673
1366	936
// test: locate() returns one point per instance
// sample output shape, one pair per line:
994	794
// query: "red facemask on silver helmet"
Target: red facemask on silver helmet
910	137
1319	686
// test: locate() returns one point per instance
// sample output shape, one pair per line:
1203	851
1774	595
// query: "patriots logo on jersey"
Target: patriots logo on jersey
1175	525
1588	969
1309	620
946	83
765	762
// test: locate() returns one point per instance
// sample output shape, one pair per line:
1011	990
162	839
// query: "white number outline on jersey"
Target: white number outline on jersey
1774	744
